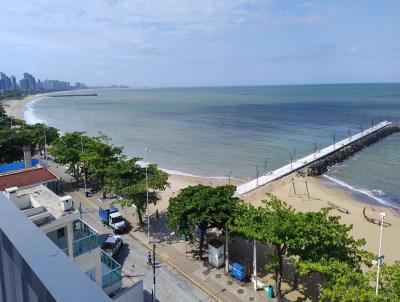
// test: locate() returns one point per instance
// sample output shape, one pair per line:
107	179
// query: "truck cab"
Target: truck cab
116	221
112	218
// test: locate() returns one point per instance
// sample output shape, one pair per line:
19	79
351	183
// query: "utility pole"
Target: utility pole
291	161
226	251
308	193
315	147
257	172
380	257
154	273
294	188
45	143
255	264
147	195
84	169
229	177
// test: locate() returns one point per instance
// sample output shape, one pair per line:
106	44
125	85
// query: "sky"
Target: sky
154	43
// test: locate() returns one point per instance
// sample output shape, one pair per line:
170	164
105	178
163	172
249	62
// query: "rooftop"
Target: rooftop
4	168
33	258
40	196
26	177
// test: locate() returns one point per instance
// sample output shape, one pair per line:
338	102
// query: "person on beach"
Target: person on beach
149	261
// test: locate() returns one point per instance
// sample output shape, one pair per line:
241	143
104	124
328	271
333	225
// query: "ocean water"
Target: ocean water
243	130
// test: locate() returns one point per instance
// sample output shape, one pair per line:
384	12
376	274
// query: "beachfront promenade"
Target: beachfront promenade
307	160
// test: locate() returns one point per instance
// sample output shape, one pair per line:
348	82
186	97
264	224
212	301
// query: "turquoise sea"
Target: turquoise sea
212	131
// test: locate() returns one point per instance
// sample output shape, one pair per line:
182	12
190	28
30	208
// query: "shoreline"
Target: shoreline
323	193
15	107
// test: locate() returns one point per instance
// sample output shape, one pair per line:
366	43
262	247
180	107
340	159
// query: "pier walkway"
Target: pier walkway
307	160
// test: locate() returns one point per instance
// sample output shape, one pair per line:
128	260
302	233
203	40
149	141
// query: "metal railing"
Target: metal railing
85	238
111	270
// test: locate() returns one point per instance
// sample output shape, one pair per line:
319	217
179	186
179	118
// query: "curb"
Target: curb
204	289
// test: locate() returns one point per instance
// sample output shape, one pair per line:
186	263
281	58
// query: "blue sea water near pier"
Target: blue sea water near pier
212	131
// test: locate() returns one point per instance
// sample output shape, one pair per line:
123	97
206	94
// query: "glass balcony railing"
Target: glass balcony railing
85	238
111	270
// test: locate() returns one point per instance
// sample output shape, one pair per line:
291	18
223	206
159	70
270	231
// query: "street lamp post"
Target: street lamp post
257	173
382	215
147	195
44	132
229	177
84	169
334	141
315	147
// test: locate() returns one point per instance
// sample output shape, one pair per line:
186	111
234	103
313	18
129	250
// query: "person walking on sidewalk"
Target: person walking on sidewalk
149	261
157	216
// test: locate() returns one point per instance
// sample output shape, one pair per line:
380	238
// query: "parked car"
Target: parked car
112	245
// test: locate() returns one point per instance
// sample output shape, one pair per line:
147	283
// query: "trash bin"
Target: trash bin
270	291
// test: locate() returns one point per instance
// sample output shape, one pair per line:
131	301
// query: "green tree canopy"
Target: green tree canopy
67	150
312	237
128	178
98	155
15	134
203	206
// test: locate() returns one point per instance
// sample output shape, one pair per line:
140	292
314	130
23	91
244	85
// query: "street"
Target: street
170	285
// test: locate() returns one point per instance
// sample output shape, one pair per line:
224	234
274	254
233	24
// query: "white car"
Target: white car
112	245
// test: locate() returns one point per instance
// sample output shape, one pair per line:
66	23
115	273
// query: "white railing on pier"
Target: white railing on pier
305	161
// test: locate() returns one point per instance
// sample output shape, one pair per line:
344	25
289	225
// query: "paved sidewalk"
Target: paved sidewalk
180	255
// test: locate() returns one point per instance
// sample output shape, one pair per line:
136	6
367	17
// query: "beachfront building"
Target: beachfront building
58	218
14	175
33	265
32	268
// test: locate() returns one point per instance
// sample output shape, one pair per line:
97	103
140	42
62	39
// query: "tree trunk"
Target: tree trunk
85	176
295	280
102	187
201	244
279	271
139	216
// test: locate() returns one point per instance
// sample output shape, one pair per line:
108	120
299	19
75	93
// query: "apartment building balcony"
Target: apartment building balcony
111	273
85	238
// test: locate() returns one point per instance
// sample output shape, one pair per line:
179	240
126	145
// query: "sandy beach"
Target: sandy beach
319	195
14	107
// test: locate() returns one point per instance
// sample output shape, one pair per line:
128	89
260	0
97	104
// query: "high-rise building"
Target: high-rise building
30	82
2	81
14	85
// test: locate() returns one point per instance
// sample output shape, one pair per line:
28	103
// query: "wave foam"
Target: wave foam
368	193
29	113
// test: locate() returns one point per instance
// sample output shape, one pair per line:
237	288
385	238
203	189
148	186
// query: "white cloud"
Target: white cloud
128	28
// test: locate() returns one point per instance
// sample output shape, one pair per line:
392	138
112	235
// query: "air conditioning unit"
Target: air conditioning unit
68	203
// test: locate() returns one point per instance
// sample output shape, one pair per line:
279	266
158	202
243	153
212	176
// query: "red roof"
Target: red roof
26	178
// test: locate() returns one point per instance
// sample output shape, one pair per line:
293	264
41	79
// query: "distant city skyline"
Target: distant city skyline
177	43
30	83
